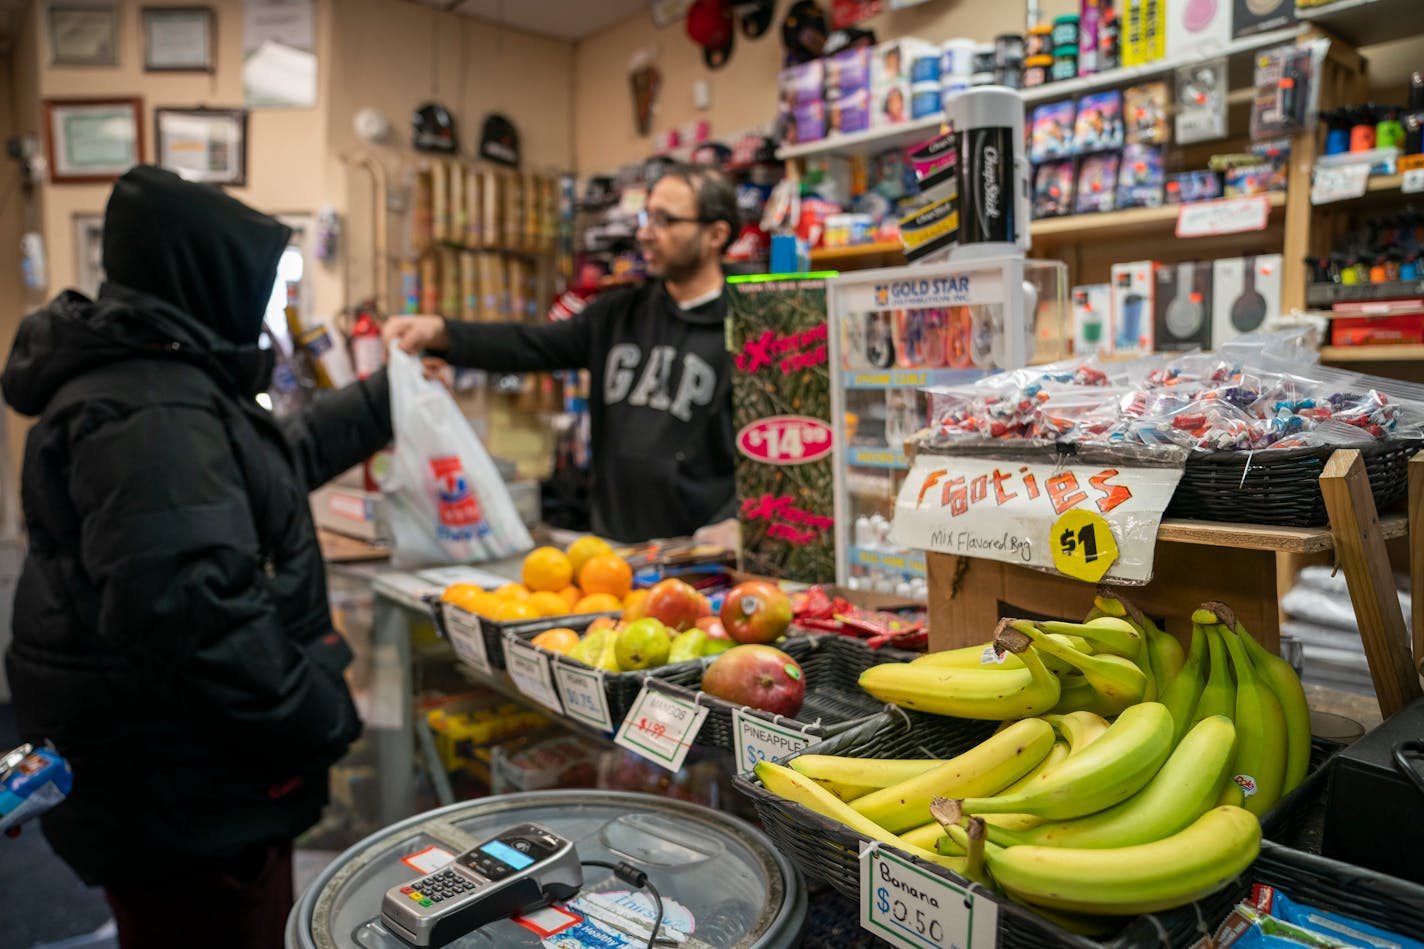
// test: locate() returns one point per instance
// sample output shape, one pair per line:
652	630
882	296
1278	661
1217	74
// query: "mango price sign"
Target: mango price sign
1007	510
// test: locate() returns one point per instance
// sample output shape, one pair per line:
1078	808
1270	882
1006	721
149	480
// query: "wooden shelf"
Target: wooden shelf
1294	540
822	257
867	142
1400	352
1129	223
1367	22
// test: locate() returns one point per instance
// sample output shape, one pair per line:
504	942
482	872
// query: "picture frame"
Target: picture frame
88	253
178	39
89	141
82	34
207	145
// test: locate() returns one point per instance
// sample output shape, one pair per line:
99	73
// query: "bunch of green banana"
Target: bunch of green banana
1171	871
1117	681
1181	694
993	694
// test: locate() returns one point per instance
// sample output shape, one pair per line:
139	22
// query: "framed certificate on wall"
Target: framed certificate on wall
177	39
92	140
203	144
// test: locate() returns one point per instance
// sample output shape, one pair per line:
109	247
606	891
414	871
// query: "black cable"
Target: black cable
634	877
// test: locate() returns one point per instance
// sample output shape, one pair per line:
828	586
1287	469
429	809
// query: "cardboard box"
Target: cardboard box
776	332
1182	308
1245	292
1092	319
1197	26
350	511
850	113
802	84
890	105
1376	330
1259	16
1134	287
846	72
895	61
968	595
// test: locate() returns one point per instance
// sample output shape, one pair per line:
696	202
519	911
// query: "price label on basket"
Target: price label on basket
759	740
1083	545
1339	182
584	698
529	668
661	727
468	638
911	907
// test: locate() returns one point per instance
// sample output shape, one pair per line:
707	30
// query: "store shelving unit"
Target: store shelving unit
1404	352
1367	22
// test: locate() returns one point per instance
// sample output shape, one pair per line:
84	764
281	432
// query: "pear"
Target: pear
590	647
643	644
608	656
687	645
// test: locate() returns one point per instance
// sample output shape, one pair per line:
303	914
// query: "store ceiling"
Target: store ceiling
561	19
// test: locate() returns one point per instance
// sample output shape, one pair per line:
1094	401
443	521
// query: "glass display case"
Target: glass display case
893	333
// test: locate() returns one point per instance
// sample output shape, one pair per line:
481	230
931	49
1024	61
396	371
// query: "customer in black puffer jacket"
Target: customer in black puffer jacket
171	628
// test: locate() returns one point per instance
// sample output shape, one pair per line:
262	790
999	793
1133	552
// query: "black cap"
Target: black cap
499	141
433	129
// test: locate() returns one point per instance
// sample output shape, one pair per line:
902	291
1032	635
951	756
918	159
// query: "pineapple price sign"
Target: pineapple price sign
1092	517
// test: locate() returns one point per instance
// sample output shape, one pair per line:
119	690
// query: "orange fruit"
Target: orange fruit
549	604
633	605
512	591
585	549
560	639
603	622
571	595
511	610
547	568
599	603
607	573
457	592
483	604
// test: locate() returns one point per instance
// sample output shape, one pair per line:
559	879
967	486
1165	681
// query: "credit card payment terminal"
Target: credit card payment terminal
518	870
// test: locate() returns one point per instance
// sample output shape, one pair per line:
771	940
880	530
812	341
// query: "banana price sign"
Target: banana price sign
1092	516
911	907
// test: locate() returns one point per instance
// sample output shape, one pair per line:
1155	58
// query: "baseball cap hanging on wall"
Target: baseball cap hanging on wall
499	141
433	129
803	32
710	25
755	17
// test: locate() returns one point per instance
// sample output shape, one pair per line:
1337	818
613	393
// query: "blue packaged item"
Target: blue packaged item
924	100
32	780
1141	177
1098	127
1332	926
1188	186
1051	131
925	68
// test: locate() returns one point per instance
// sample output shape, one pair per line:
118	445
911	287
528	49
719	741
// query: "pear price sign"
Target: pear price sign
584	698
1092	515
908	906
467	638
529	668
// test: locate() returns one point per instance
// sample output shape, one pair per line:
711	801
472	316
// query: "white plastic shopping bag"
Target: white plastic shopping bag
445	500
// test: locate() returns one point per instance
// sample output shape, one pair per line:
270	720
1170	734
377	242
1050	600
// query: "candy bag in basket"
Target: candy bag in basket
445	500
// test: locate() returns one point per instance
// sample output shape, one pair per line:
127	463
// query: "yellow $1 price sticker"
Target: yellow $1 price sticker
1083	545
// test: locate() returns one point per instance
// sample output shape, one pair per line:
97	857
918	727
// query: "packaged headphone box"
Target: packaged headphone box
1245	293
1134	287
1182	308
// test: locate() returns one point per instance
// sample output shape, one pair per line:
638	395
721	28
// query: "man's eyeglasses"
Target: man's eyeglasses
661	220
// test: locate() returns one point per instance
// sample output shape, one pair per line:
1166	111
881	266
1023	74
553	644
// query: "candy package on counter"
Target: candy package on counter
1270	919
1202	401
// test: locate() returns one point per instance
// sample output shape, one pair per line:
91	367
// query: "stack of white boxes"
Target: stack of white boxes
892	68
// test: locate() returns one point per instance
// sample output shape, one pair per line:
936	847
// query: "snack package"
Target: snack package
1051	131
1188	186
1144	110
1053	189
1098	126
1141	178
1097	181
920	338
1344	930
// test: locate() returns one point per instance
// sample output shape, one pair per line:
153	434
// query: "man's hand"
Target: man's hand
416	333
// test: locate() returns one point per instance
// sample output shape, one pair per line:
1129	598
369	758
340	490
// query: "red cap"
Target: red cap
710	23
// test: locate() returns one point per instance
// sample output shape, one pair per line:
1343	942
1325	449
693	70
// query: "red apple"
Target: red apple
762	677
676	603
712	626
756	612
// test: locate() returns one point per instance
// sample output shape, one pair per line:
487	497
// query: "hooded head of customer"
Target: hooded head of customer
193	246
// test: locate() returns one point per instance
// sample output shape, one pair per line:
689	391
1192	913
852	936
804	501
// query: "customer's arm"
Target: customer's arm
502	347
340	429
169	542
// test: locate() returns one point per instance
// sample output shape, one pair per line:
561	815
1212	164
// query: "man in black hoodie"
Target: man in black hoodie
660	404
171	629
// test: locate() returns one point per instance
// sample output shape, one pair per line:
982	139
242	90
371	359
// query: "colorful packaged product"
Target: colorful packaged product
846	72
891	105
920	338
1189	186
802	84
1098	126
1140	181
1097	182
1145	113
1051	131
848	114
1053	189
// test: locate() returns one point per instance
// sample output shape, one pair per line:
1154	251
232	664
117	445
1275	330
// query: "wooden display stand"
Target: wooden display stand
1246	566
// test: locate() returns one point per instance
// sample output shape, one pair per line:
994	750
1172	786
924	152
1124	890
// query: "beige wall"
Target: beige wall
744	90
